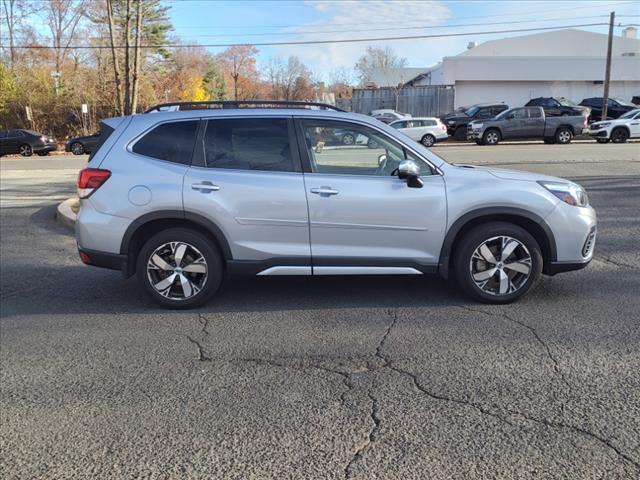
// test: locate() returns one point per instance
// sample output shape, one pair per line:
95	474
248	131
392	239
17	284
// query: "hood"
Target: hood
513	174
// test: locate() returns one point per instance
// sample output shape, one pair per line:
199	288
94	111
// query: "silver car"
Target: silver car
181	198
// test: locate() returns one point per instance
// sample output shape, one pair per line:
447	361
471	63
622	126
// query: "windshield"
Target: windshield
630	113
472	111
566	103
623	102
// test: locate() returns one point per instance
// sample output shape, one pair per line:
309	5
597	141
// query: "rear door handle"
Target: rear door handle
324	191
205	187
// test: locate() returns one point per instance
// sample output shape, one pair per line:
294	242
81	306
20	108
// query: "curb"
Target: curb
64	213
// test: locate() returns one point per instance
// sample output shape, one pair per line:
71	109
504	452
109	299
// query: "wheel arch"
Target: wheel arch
618	127
153	222
531	222
565	125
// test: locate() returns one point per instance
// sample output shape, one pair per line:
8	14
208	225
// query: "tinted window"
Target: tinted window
485	113
428	123
172	141
535	102
373	154
517	113
248	144
399	124
497	110
550	102
535	113
104	133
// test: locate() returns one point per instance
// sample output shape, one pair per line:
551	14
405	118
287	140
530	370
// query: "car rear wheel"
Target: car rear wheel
497	262
179	268
77	148
428	140
564	135
26	150
619	135
491	137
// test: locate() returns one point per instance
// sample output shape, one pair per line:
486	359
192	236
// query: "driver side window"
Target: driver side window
371	153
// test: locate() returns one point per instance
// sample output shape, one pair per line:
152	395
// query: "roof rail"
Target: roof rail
176	106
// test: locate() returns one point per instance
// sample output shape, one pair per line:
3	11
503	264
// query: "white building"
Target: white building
563	63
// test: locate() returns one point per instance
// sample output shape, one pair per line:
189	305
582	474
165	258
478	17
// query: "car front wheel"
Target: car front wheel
619	135
179	268
497	262
491	137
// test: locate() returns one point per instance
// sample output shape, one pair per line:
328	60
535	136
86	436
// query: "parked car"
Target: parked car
457	121
617	130
425	130
180	201
26	143
81	145
557	107
526	122
387	115
615	107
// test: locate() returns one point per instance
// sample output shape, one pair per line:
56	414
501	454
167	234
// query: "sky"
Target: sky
254	21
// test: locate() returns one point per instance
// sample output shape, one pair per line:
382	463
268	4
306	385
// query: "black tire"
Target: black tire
473	239
43	154
602	140
460	134
564	135
619	135
428	140
549	140
26	150
479	142
491	137
77	148
214	268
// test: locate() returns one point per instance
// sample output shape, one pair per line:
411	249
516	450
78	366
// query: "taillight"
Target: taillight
90	179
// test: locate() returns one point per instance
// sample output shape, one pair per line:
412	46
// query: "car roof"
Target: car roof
154	117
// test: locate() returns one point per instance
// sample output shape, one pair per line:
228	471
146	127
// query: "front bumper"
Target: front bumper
598	133
47	147
474	134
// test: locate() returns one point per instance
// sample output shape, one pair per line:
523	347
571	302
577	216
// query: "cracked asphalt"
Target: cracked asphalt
320	378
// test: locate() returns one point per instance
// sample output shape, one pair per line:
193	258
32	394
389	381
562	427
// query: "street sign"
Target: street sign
29	115
85	108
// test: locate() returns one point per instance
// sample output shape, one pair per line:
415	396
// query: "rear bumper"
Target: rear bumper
112	261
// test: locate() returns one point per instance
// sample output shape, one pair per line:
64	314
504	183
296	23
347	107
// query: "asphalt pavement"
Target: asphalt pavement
321	378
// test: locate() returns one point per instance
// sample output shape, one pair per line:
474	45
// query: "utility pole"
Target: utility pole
607	73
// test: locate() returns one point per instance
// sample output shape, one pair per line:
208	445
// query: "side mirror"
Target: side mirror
409	171
382	159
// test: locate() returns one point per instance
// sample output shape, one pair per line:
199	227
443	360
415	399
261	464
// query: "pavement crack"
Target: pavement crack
204	321
614	262
203	356
374	414
394	319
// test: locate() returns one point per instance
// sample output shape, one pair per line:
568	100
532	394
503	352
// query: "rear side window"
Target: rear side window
171	141
105	132
248	144
534	113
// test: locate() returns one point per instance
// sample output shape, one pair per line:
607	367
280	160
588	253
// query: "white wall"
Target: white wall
516	94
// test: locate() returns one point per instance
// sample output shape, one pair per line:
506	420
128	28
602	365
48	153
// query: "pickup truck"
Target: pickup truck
526	123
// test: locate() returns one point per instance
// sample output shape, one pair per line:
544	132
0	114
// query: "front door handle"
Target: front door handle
205	187
324	191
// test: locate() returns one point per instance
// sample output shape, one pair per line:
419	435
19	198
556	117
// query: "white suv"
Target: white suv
182	198
617	130
425	130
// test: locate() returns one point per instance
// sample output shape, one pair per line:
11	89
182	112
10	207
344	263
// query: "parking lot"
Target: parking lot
321	378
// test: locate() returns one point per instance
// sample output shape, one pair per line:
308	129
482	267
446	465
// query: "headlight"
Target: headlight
476	126
451	122
601	125
568	192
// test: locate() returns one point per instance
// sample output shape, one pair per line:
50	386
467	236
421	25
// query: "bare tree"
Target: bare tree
290	80
114	58
378	58
240	63
15	13
63	17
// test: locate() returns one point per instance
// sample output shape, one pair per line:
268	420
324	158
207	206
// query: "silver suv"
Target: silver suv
181	197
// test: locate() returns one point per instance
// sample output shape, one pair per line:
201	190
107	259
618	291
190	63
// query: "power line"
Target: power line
319	42
422	27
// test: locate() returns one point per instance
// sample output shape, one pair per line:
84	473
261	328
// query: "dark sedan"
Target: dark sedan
557	107
616	107
80	145
26	143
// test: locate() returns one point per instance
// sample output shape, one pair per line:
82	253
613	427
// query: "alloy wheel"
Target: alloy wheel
77	149
492	138
428	141
25	150
500	265
564	136
177	270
